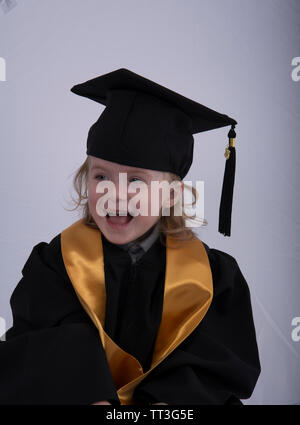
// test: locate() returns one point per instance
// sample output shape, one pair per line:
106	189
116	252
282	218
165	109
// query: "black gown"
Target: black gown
52	353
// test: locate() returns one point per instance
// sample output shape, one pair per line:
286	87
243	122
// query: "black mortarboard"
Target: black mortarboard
146	125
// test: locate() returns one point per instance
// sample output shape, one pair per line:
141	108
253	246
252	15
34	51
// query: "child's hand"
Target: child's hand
102	402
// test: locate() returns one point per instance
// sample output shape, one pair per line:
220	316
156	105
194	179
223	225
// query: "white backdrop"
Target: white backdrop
235	56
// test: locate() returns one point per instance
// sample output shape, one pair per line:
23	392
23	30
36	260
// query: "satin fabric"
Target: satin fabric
188	293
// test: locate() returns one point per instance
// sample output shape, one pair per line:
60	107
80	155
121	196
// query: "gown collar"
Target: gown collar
137	248
145	241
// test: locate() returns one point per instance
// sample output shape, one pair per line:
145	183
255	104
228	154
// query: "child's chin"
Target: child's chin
118	239
117	234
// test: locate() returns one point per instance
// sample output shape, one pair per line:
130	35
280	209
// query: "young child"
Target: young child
127	308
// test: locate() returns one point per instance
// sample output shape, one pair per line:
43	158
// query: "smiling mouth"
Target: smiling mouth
118	221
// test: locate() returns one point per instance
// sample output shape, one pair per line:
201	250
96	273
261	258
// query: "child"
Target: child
133	309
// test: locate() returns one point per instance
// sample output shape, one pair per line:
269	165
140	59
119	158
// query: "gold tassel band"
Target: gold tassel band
232	142
230	145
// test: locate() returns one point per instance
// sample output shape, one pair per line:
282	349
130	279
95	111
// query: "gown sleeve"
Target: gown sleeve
53	353
218	363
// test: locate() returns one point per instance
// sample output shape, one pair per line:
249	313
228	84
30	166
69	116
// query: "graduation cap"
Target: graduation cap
147	125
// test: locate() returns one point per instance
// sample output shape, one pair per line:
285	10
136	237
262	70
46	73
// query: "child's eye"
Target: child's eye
98	177
137	178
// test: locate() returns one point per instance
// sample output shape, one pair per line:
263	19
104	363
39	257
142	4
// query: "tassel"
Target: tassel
228	184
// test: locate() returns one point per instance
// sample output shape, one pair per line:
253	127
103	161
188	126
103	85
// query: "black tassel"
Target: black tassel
228	184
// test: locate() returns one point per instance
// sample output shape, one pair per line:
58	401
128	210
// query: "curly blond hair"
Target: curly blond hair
169	224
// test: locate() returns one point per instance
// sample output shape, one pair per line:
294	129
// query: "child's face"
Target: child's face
101	170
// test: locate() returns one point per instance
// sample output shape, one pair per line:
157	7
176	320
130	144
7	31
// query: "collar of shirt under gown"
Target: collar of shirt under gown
137	248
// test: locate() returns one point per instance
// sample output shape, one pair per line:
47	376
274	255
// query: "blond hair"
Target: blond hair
169	224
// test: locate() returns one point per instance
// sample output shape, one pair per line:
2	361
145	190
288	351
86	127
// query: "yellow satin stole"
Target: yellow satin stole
187	296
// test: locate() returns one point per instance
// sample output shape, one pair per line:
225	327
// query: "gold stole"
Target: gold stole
187	296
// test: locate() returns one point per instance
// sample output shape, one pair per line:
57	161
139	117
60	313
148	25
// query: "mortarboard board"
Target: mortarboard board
147	125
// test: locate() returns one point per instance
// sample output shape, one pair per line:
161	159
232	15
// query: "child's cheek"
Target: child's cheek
93	196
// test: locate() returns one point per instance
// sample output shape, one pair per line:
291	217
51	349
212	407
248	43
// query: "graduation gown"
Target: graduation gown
88	325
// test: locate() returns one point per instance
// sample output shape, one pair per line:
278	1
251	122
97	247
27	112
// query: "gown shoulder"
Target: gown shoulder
226	272
45	295
218	363
52	354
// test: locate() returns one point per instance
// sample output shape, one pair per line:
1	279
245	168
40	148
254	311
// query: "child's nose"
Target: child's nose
122	196
121	190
